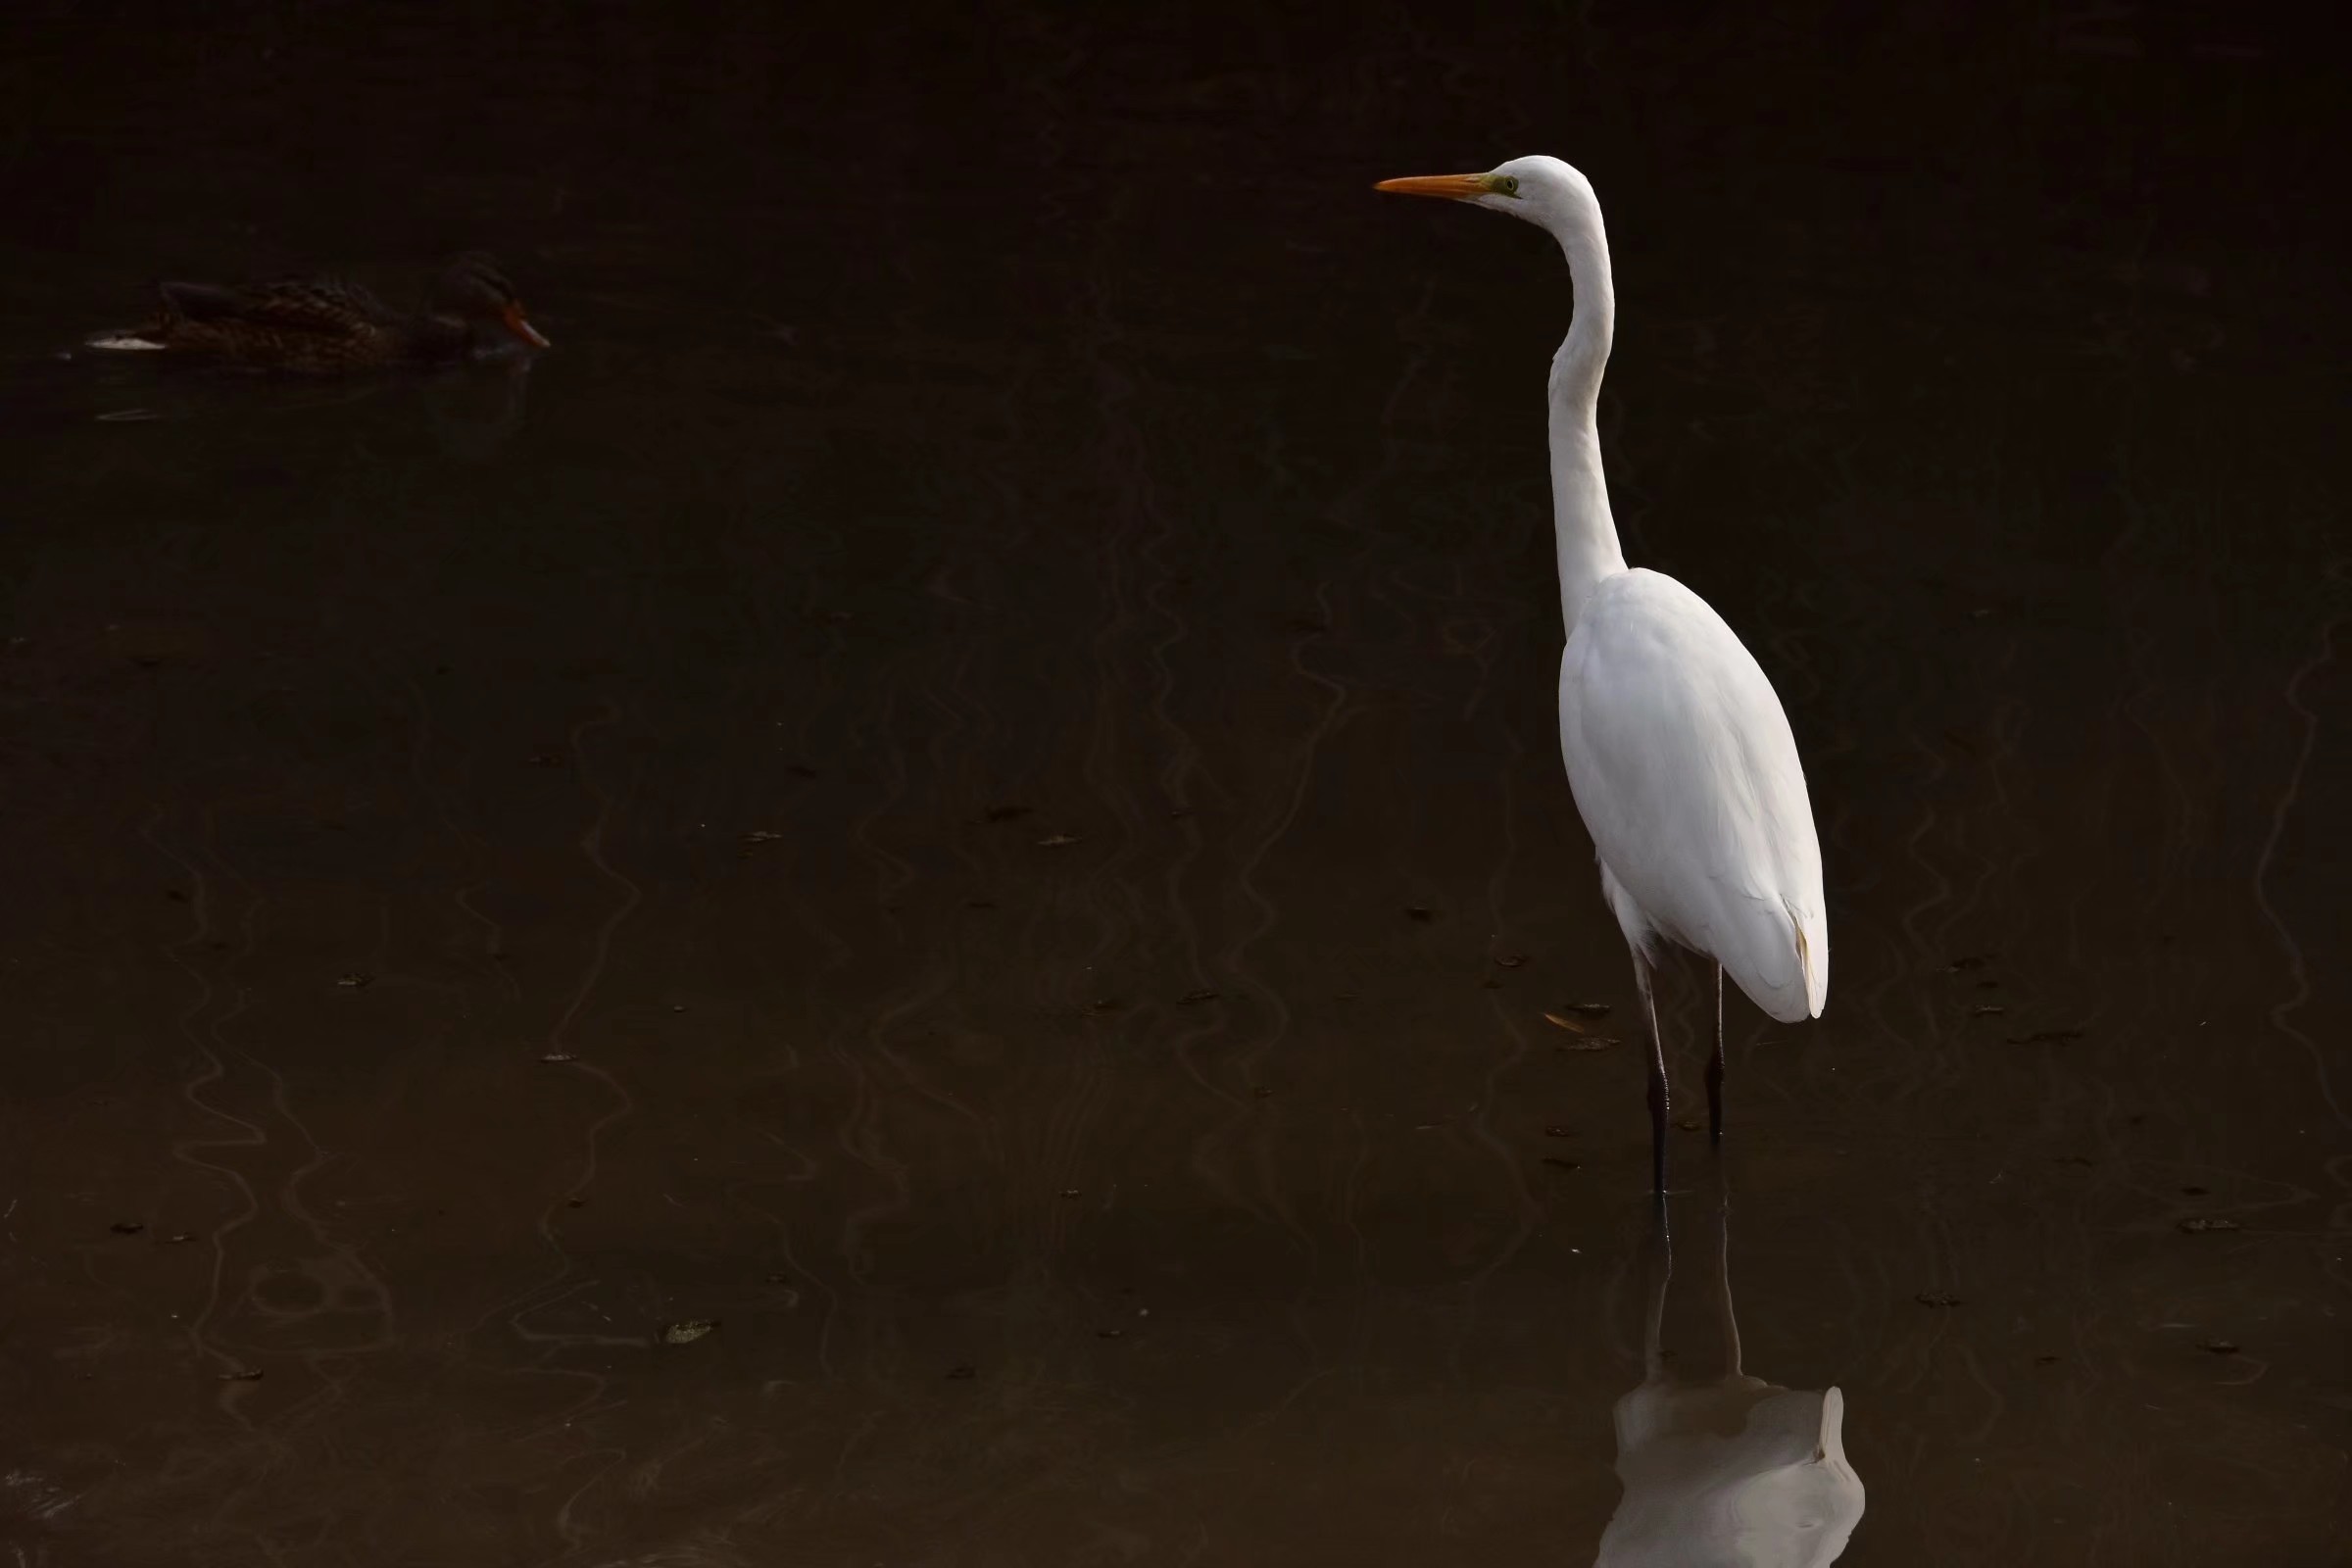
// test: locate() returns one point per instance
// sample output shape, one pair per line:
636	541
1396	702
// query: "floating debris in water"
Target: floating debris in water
177	1238
2203	1223
1974	960
1587	1043
1586	1009
1263	1092
355	981
687	1332
1985	1010
548	760
559	1055
1190	998
1555	1129
1509	960
962	1374
1557	1163
2045	1360
759	836
2218	1347
2196	1192
1936	1299
1007	814
242	1375
2045	1037
1110	1333
126	1227
1688	1125
1421	912
1059	840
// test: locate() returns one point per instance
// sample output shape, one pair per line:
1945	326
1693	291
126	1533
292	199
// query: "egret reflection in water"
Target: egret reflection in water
1722	1469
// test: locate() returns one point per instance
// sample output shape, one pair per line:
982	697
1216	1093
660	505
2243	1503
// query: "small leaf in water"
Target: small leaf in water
1586	1009
1985	1010
1190	998
759	836
1059	840
2218	1347
559	1055
126	1227
355	981
687	1332
1510	961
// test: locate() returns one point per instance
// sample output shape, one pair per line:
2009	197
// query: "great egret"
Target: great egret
1677	752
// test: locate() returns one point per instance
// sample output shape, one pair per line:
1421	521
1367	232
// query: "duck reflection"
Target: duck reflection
1721	1469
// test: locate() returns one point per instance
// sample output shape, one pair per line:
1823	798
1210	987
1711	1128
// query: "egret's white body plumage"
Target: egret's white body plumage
1687	779
1677	749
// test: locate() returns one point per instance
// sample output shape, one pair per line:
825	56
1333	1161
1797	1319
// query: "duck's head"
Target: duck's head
473	292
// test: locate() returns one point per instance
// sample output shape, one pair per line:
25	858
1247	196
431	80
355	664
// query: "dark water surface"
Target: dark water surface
959	779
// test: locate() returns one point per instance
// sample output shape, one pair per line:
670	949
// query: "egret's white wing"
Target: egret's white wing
1689	782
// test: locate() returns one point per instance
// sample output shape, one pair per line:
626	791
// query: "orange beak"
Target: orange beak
511	315
1453	187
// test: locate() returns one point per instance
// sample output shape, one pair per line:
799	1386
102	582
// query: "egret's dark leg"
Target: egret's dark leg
1715	1068
1657	1078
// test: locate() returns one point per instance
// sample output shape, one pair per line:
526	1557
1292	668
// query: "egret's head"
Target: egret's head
1542	190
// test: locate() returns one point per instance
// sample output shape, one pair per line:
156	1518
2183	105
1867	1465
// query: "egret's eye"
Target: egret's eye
1509	184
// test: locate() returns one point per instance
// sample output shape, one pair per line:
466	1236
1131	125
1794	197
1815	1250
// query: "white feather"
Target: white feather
1688	778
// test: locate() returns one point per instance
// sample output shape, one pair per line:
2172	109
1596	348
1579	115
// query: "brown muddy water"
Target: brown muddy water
900	909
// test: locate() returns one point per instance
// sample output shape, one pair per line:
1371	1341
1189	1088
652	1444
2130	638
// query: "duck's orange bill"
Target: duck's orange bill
1453	187
512	316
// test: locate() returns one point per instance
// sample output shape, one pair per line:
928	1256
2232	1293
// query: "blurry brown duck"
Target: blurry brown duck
324	326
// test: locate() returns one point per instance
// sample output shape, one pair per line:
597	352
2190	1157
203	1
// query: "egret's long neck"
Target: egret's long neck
1587	535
